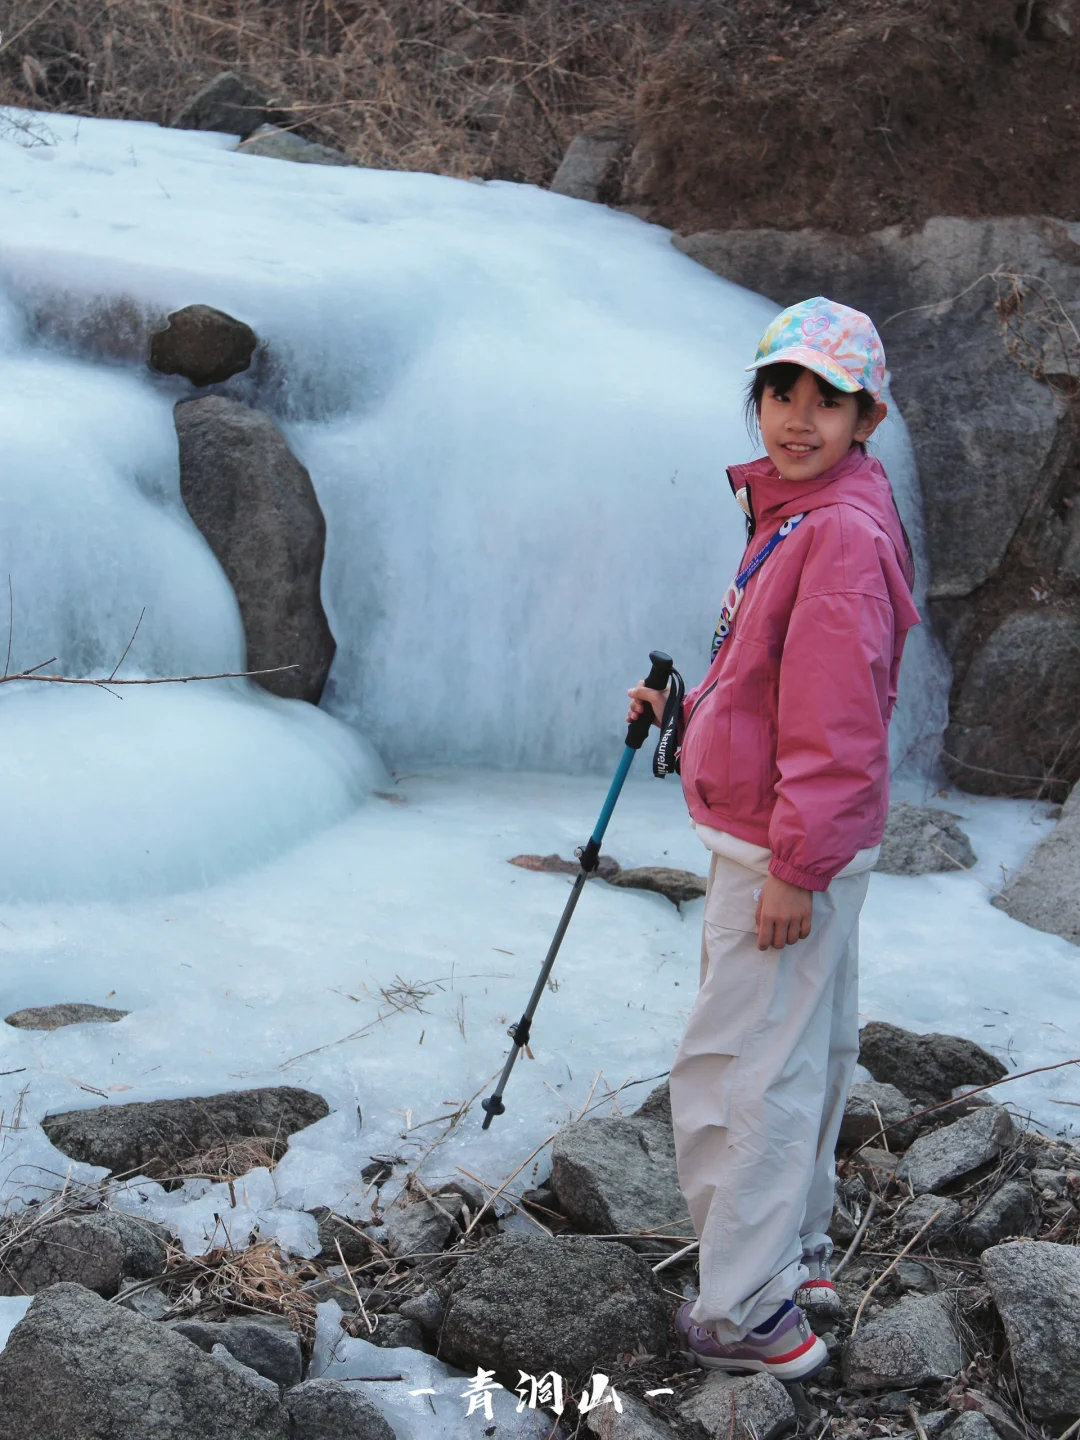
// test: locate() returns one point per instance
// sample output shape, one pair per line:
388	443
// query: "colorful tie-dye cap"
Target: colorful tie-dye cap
837	343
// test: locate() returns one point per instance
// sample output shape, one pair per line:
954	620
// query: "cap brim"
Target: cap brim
811	359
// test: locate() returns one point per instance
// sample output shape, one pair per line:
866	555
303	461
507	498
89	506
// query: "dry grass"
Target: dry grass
248	1278
440	85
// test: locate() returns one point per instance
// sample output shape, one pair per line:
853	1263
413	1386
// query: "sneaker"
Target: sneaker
786	1347
816	1295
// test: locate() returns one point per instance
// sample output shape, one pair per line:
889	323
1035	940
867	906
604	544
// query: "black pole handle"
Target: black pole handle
659	677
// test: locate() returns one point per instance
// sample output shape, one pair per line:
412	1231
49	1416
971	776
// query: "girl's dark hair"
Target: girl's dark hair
781	378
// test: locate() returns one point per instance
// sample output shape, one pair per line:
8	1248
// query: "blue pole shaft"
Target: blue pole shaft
613	793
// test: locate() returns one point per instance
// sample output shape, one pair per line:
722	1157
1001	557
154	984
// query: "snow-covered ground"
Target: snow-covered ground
259	981
516	409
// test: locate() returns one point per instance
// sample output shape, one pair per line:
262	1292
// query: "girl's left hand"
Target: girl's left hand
783	914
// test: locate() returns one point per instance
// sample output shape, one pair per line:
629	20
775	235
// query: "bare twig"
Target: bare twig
102	683
890	1268
128	646
871	1210
359	1298
673	1259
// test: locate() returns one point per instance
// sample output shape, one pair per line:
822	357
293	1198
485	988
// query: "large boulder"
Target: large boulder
78	1366
94	1248
926	1067
275	144
1045	891
156	1137
205	345
255	504
923	840
911	1343
995	444
227	104
1036	1288
956	1150
997	734
538	1304
615	1175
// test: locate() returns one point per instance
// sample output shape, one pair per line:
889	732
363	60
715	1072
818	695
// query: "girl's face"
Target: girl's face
807	433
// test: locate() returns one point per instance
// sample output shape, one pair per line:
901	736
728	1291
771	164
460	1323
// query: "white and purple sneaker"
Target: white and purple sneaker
784	1346
816	1295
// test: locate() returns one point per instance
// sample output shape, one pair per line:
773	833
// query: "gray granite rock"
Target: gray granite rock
592	167
227	104
256	507
1008	1212
914	1216
926	1067
94	1248
267	1348
1045	891
923	840
204	345
250	1376
154	1137
275	144
615	1175
872	1105
970	1425
1036	1288
911	1343
77	1366
334	1410
54	1017
741	1407
394	1332
422	1227
427	1310
588	1301
955	1150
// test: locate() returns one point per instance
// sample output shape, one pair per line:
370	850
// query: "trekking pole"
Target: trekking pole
589	856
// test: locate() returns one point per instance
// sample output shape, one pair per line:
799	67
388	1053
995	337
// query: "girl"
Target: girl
785	768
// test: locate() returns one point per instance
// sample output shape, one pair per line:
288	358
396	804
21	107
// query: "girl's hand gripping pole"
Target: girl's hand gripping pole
589	856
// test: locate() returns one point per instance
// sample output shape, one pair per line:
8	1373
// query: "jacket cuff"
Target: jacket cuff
805	879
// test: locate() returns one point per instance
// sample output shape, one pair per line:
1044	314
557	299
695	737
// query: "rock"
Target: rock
592	167
393	1332
334	1410
957	1149
275	144
911	1343
1036	1288
422	1227
334	1231
427	1310
1007	1212
926	1067
995	735
870	1106
616	1174
1045	892
634	1422
878	1166
1050	1181
970	1425
204	345
252	1377
910	1275
746	1407
843	1226
268	1349
78	1366
227	104
256	506
154	1138
675	885
146	1300
54	1017
923	840
95	1248
540	1304
469	1190
914	1216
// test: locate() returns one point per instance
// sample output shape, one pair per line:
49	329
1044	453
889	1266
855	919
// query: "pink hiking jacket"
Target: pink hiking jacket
785	741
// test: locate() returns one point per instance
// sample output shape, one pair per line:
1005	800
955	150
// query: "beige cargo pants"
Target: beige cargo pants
759	1084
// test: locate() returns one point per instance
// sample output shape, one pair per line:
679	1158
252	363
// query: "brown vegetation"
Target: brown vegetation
777	112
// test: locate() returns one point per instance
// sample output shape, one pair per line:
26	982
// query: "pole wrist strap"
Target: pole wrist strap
666	759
